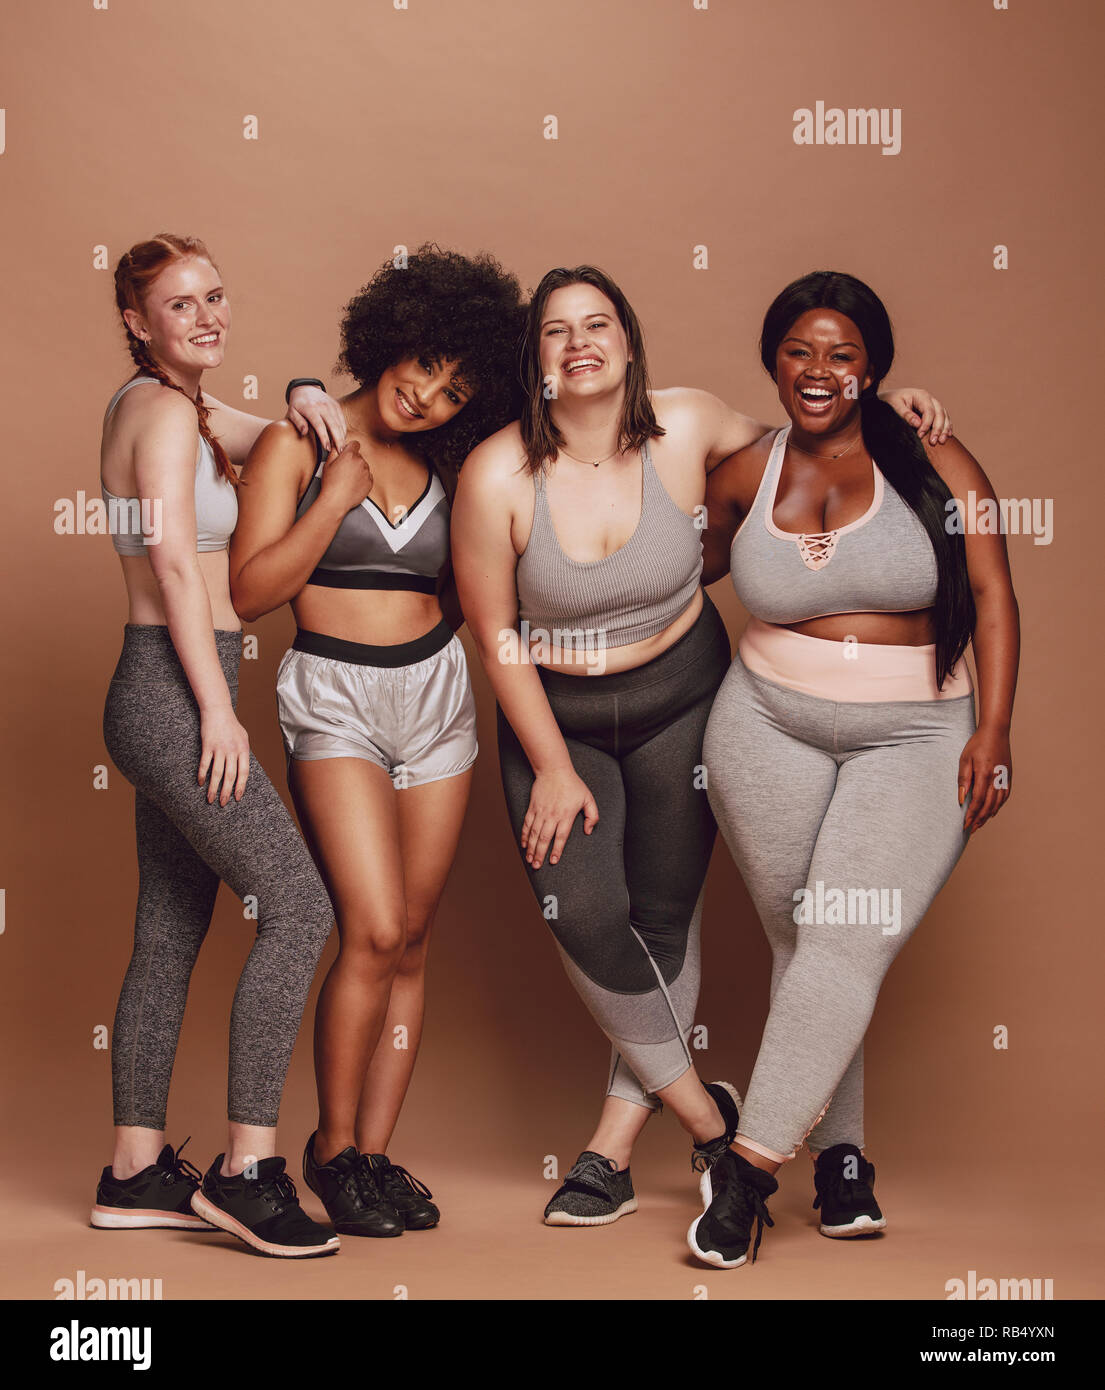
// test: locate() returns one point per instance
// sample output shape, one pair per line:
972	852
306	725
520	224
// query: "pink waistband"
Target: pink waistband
847	671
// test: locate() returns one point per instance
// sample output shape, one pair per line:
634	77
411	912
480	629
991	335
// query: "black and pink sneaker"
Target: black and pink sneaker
261	1208
157	1198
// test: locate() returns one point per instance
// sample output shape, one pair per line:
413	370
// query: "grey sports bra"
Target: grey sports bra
882	562
370	552
131	522
629	595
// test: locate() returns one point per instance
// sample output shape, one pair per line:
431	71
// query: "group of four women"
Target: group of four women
838	750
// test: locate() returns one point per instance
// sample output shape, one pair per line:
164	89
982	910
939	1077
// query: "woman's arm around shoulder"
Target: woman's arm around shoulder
702	422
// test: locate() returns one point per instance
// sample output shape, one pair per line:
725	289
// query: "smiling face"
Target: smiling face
421	393
583	345
821	366
185	317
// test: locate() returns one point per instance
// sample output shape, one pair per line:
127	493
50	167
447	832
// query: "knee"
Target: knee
417	946
373	946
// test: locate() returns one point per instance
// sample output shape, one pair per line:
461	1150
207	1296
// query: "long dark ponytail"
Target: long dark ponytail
891	443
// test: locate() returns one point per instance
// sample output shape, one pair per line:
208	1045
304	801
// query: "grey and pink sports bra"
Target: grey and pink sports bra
882	562
625	597
370	552
216	500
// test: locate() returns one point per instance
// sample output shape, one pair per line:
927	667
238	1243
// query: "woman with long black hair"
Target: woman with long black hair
843	761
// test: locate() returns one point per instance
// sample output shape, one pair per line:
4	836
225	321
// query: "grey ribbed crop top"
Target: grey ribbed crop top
629	595
130	521
882	562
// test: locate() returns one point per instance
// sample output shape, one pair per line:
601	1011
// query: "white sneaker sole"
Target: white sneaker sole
861	1226
709	1257
565	1218
140	1219
225	1222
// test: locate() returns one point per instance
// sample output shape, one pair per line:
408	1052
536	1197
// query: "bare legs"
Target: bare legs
385	856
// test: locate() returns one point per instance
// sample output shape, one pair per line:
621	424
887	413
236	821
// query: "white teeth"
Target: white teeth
816	393
583	362
202	342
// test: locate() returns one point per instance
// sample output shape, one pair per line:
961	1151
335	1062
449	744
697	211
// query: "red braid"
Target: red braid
138	268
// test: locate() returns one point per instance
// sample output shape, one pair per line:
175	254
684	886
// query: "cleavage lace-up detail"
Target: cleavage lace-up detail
816	548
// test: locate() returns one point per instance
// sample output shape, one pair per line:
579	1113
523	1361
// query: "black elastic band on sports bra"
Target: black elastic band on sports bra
372	579
363	654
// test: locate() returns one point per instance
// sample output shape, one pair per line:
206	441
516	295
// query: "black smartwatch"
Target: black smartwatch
302	381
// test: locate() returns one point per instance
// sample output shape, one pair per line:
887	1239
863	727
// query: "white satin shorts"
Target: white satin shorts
407	708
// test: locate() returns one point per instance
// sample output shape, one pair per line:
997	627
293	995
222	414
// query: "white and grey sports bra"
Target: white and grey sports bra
216	500
882	562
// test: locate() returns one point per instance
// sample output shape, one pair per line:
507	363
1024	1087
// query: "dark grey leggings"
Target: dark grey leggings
185	846
624	903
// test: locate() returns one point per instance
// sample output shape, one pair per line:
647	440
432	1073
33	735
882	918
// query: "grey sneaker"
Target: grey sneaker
593	1193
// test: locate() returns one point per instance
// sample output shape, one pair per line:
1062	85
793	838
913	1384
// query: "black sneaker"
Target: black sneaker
403	1191
353	1201
262	1210
733	1193
594	1193
845	1184
728	1101
157	1198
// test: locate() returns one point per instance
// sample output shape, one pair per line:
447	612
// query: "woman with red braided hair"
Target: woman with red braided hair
204	809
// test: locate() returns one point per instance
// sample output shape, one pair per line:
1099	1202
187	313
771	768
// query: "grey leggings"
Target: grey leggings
853	796
624	903
185	846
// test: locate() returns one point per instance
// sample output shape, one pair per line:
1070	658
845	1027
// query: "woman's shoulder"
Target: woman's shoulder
498	461
147	400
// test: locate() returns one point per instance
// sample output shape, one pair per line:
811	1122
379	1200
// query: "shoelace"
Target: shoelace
591	1174
403	1177
740	1204
277	1190
370	1183
179	1169
841	1186
704	1156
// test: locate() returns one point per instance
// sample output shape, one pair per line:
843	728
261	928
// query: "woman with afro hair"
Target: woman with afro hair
375	703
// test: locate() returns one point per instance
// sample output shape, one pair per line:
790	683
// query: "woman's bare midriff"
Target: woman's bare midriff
913	629
612	659
144	592
375	617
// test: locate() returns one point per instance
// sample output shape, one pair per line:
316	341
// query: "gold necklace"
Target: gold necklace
823	457
593	462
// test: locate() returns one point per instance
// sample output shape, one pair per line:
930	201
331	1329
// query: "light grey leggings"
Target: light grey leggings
851	796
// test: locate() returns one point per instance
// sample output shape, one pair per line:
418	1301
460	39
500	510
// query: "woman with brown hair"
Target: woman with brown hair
204	809
578	558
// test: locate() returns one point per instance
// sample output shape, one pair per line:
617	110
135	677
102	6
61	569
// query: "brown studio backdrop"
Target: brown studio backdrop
379	128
